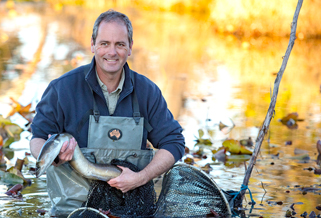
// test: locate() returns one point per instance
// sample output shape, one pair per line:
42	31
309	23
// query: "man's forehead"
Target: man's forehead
120	23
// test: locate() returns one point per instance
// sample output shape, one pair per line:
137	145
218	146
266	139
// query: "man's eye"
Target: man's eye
103	44
121	45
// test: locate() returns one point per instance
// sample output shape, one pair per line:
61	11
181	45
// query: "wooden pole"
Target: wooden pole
270	111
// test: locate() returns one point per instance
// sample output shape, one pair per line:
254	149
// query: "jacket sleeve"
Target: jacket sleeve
167	132
49	115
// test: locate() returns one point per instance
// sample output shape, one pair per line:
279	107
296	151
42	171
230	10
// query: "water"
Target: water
206	78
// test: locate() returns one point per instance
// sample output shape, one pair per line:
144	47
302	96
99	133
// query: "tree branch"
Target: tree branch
270	112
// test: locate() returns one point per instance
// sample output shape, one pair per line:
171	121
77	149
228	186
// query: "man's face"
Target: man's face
112	47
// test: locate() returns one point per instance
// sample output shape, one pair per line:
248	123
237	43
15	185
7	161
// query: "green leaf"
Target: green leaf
200	133
9	153
8	142
11	178
234	147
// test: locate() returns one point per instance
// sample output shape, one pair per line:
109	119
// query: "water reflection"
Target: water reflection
207	78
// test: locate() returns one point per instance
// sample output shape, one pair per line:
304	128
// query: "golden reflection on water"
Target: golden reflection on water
206	71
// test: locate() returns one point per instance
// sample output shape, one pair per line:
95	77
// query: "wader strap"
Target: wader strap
136	113
94	112
83	120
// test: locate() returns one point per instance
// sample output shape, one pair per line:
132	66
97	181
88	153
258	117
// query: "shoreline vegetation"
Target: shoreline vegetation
244	18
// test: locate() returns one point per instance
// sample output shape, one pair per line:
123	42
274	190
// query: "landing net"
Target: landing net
186	192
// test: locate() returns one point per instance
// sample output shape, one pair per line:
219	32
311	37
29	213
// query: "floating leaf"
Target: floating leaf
291	120
220	155
13	130
206	142
201	141
317	171
5	121
9	153
189	161
17	172
8	142
234	147
14	190
240	158
200	133
221	126
301	157
7	177
207	168
247	142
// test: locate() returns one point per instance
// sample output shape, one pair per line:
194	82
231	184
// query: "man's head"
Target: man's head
113	16
111	42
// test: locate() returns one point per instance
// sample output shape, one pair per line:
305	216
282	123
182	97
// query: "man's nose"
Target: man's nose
111	50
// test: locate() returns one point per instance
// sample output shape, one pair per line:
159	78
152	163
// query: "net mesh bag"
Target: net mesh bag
189	192
140	202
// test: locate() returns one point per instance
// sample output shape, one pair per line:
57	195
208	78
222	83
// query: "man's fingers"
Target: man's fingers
64	147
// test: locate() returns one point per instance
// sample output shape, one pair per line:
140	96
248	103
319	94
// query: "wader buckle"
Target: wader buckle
136	116
96	116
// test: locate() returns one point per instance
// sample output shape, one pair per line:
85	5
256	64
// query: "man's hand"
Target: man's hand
127	180
66	152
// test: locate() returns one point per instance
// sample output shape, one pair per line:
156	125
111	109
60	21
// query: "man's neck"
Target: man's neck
110	80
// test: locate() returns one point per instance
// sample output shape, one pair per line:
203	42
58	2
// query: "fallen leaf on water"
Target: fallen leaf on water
5	121
15	171
186	150
241	158
42	212
10	178
312	214
200	140
304	214
234	147
189	161
300	151
247	142
301	157
22	110
14	190
219	154
288	143
288	213
207	168
291	120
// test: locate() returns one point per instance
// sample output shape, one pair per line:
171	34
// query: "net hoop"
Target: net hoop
87	208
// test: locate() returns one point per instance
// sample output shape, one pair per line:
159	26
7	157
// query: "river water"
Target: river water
207	78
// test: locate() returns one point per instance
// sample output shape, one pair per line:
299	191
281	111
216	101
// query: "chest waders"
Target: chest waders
109	138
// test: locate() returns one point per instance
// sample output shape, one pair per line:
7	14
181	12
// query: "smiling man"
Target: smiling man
111	111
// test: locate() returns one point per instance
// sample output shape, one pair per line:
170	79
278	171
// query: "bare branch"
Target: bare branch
270	111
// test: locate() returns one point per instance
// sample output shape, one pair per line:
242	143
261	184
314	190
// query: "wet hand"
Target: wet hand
127	180
66	152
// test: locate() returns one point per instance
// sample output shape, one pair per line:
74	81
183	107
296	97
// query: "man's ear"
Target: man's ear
92	46
130	48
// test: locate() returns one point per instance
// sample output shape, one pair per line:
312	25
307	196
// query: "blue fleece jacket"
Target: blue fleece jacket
67	100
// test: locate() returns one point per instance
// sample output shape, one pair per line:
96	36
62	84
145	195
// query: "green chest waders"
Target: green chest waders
109	138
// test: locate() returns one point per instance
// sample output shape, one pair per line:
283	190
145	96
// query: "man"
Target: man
111	111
